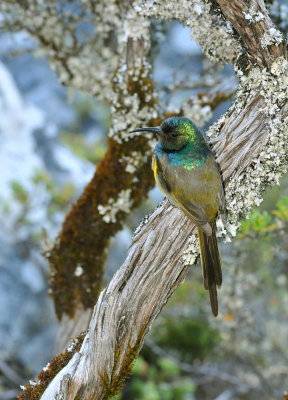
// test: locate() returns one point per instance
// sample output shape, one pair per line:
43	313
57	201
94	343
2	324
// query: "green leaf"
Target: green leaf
19	192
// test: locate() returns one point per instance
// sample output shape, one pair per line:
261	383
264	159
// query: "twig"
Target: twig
10	374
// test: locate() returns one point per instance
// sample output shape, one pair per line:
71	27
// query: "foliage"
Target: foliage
191	338
162	381
61	195
266	223
41	189
19	192
92	152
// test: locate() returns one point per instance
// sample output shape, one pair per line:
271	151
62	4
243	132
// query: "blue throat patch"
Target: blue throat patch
190	156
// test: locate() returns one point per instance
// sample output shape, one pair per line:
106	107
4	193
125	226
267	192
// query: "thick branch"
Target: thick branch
84	227
126	309
264	43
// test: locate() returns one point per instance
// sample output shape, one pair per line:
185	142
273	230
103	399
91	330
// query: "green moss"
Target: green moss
112	385
19	192
35	391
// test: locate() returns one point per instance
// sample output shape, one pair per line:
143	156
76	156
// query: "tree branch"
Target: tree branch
264	43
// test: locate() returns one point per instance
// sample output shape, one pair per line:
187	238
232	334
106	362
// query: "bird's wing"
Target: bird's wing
196	213
167	184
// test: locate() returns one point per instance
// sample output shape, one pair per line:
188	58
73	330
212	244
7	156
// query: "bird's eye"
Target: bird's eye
175	134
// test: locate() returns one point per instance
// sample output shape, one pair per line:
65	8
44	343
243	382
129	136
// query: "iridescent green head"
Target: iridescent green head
175	133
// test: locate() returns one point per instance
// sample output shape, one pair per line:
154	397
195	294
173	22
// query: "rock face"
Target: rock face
32	161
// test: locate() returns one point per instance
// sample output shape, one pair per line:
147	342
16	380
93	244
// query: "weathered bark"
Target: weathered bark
247	131
71	327
127	307
257	31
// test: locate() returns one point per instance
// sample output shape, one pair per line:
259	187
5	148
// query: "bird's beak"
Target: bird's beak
156	130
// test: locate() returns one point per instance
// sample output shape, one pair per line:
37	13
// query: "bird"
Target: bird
186	171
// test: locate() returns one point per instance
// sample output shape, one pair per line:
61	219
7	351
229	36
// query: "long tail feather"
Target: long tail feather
211	265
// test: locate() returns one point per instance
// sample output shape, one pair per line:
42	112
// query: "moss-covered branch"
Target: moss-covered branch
261	38
34	389
121	181
77	259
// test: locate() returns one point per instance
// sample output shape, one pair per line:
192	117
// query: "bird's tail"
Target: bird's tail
211	265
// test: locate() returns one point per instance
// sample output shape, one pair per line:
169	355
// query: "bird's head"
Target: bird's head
174	133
